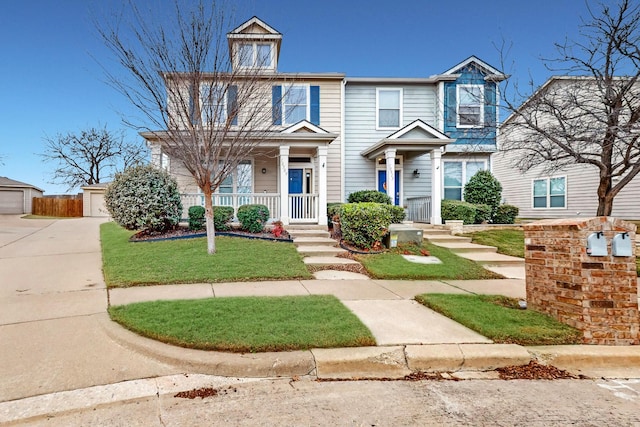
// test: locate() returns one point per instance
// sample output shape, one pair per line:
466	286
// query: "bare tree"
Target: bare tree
591	115
181	78
90	156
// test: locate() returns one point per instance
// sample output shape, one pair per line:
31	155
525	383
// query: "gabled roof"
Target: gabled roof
6	182
492	73
417	137
304	126
255	29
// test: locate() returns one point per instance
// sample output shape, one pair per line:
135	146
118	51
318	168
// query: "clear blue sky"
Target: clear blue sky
50	84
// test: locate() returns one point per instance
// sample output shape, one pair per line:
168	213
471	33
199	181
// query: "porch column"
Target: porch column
322	185
284	184
390	157
436	186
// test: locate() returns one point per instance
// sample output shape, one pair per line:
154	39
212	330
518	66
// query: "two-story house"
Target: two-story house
420	139
295	168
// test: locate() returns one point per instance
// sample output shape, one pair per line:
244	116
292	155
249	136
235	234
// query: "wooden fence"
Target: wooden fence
56	207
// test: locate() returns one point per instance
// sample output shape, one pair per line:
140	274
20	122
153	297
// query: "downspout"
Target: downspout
342	139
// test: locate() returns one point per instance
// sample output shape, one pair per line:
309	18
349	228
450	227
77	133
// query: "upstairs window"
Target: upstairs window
470	106
214	103
295	104
550	193
388	108
251	55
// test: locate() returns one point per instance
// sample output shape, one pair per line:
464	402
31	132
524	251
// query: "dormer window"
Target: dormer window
255	55
470	106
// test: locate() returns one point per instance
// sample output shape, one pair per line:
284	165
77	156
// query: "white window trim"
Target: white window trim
400	118
481	102
254	55
203	103
548	180
464	173
234	176
284	108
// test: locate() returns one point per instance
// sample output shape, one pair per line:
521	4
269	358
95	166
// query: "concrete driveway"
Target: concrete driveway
52	297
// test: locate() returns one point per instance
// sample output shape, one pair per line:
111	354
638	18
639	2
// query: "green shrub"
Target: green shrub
144	198
222	216
397	214
366	196
196	218
483	188
253	217
457	210
483	213
333	210
364	224
505	214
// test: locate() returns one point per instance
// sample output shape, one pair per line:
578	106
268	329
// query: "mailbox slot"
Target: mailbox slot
621	245
597	244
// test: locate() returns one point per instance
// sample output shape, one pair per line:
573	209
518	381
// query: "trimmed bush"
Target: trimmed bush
196	218
366	196
457	210
483	188
364	224
253	217
505	214
144	198
483	213
222	216
333	210
397	214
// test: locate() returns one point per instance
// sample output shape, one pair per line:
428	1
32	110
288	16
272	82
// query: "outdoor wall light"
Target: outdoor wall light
416	174
264	170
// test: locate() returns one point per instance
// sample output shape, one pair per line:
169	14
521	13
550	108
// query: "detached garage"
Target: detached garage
93	200
15	196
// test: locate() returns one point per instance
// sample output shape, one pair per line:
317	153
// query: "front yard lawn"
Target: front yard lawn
186	261
508	242
391	265
500	319
247	324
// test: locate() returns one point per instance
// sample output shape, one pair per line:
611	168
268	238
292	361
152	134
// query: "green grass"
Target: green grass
392	265
186	261
499	319
508	242
247	324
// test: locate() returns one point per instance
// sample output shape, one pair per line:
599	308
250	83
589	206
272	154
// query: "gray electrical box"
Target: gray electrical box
597	244
621	245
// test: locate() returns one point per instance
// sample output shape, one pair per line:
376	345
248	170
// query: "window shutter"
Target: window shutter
192	104
232	104
276	104
315	105
490	105
450	107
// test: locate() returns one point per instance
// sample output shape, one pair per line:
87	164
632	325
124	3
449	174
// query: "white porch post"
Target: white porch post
436	186
322	185
390	157
284	184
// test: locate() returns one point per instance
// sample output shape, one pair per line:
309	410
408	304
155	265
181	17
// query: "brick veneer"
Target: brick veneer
597	295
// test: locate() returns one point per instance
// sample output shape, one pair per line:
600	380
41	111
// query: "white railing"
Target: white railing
270	200
303	207
419	209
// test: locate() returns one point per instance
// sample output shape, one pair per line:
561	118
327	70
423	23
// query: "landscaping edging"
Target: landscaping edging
204	234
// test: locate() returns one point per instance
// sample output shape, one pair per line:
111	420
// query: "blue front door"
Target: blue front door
382	185
296	203
295	181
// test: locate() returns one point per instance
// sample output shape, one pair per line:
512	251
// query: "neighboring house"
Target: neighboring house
568	192
16	197
420	139
296	169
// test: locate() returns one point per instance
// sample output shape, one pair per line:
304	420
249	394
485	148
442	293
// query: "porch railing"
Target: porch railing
303	207
235	200
419	209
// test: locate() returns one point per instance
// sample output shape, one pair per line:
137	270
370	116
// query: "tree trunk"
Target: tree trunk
208	217
605	205
605	195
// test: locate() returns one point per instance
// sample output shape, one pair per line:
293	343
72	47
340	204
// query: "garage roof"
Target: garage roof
6	182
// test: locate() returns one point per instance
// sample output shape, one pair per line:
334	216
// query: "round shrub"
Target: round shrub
397	214
483	213
222	216
196	218
457	210
483	189
505	214
364	224
144	198
253	217
366	196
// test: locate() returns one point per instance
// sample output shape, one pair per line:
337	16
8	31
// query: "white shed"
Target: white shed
16	196
93	200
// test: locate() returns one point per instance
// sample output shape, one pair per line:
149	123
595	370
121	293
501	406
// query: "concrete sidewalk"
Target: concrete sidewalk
57	336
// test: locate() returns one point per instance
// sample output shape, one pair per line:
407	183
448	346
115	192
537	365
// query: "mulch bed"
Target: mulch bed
182	232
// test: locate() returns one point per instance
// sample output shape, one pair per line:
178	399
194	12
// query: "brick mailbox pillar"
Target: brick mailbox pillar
579	271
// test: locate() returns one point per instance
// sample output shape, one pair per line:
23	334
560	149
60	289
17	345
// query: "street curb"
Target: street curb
578	357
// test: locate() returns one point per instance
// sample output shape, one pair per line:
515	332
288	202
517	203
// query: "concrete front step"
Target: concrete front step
466	247
295	233
321	251
487	258
314	241
436	239
328	260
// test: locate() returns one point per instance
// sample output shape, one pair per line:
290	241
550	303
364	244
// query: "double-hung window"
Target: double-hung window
470	106
258	55
457	175
388	108
295	105
550	192
240	181
213	103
